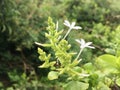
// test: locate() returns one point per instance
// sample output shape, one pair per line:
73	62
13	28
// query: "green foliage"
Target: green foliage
115	42
109	67
53	75
22	22
102	74
87	11
62	56
76	85
63	62
98	19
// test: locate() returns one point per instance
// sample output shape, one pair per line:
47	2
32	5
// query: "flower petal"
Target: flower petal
66	23
91	47
82	41
77	40
88	43
84	44
72	25
77	27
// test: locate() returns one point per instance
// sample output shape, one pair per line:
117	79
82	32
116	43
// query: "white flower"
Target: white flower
84	44
72	25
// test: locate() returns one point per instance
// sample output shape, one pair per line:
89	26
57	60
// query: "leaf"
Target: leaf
93	79
10	88
118	81
118	53
118	63
1	84
102	86
76	85
109	59
107	63
23	76
110	51
52	75
77	69
89	67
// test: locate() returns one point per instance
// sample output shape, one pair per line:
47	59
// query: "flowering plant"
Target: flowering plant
62	61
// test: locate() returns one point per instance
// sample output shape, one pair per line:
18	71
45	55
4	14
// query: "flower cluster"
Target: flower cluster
82	42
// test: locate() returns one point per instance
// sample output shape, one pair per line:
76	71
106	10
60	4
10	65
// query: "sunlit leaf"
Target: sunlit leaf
102	86
89	67
52	75
118	81
107	63
76	85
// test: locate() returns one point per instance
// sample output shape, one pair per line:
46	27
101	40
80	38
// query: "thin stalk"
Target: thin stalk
67	33
79	53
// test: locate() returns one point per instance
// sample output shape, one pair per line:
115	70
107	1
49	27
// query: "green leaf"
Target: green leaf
107	63
118	81
110	51
10	88
93	79
118	53
76	85
77	69
118	63
23	76
1	84
102	86
89	67
109	59
52	75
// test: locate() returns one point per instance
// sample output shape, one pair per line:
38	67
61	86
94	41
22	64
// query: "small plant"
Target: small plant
63	63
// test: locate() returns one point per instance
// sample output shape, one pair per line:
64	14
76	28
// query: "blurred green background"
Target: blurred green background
22	22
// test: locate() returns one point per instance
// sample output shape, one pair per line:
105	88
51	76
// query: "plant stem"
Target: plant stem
79	53
67	33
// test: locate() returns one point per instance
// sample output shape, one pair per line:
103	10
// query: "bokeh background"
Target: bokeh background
22	22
